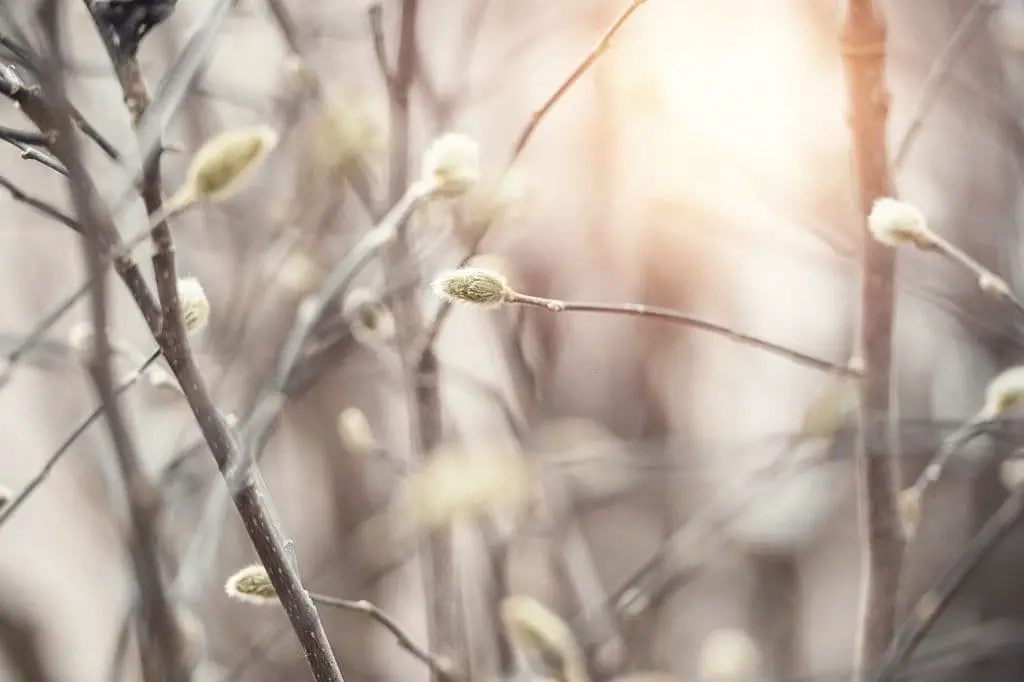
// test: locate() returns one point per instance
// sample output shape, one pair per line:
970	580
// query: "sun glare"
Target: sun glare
734	84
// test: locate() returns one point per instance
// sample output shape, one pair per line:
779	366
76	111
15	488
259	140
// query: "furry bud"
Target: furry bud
251	585
195	307
222	163
451	164
542	639
893	222
472	285
729	655
1003	393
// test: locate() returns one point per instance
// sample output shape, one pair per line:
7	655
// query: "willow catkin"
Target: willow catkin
222	164
251	585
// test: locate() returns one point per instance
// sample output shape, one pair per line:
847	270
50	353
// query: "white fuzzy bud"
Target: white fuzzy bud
195	307
355	431
729	655
893	222
1011	472
472	285
251	585
451	164
993	285
82	340
298	273
542	639
1003	393
223	163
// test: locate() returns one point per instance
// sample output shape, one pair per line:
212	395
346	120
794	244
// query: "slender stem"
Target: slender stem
676	317
862	41
8	510
438	665
934	602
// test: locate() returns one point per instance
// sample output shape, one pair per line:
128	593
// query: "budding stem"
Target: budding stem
676	317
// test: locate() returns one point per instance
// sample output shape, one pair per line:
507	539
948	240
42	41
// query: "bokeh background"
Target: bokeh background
703	163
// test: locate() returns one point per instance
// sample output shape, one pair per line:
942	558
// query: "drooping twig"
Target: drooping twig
485	288
438	665
669	315
862	42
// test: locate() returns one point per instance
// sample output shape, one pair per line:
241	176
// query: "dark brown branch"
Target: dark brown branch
46	208
31	153
24	137
38	110
862	41
173	341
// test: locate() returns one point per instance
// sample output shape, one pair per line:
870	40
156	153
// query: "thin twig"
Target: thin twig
24	137
437	664
676	317
604	43
44	207
939	71
934	602
31	153
862	42
600	48
8	510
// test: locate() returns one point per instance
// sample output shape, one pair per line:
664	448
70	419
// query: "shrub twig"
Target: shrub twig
862	43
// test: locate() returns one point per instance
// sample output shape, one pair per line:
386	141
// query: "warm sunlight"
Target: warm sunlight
742	89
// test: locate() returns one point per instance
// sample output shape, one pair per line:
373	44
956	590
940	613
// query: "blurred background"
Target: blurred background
703	164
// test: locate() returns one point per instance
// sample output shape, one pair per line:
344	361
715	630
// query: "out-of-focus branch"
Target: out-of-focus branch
20	640
15	503
161	644
604	43
862	42
940	69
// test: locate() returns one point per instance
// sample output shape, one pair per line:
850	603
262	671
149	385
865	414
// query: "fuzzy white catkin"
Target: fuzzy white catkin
82	340
222	165
251	585
451	164
195	307
729	654
894	222
1003	393
472	285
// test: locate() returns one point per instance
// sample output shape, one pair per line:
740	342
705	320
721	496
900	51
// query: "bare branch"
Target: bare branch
438	665
862	41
